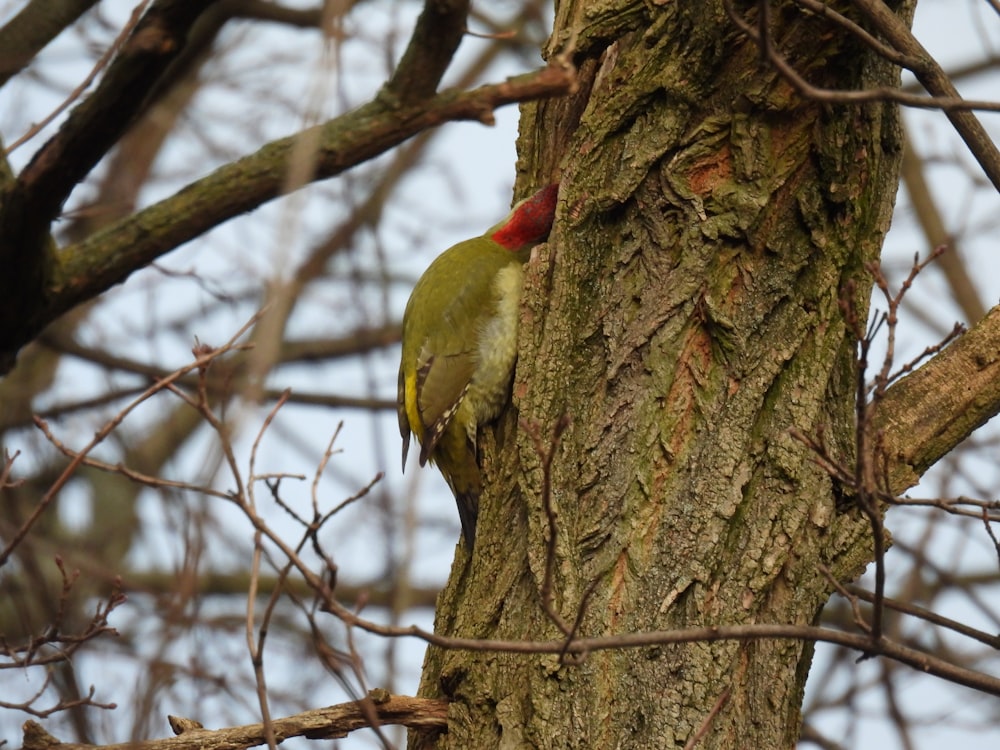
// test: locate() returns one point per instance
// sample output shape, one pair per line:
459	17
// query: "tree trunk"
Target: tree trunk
685	317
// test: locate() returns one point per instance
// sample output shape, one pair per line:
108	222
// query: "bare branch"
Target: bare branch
75	94
920	660
938	84
323	723
106	430
853	592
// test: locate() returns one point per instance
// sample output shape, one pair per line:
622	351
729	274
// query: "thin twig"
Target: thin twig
859	618
75	94
854	592
992	535
692	743
201	361
256	647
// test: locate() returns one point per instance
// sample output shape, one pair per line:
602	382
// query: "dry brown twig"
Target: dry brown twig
46	500
852	599
244	497
248	504
29	707
54	646
989	530
854	593
59	645
356	662
8	467
866	480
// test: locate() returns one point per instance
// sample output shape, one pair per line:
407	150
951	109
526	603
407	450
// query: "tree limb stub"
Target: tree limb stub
927	413
320	723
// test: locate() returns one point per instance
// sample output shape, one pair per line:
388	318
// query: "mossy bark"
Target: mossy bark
684	315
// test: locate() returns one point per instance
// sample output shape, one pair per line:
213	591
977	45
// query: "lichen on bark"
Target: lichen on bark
684	315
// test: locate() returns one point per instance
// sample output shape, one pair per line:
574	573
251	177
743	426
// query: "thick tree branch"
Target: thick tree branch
30	203
929	412
87	269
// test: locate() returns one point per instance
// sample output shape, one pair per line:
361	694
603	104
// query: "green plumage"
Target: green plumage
460	345
455	373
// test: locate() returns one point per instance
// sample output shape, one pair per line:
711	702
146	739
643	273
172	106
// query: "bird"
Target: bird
459	346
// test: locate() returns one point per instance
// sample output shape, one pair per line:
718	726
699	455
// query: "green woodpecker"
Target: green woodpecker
460	344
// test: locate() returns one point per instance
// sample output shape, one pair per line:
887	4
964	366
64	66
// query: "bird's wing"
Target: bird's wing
441	383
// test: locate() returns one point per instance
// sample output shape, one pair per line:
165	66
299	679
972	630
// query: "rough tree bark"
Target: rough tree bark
684	316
